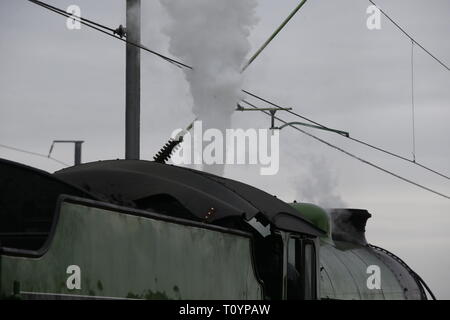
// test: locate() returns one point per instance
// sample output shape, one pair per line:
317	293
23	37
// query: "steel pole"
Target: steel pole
133	81
78	145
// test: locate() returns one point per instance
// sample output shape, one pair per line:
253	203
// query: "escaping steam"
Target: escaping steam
212	36
319	185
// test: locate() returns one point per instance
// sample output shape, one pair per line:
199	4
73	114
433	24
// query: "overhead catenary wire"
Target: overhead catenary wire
357	157
33	154
182	65
57	10
108	31
348	137
411	38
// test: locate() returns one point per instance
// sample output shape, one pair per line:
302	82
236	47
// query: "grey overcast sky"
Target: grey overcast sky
61	84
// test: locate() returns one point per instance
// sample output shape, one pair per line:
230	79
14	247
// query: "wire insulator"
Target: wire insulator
167	151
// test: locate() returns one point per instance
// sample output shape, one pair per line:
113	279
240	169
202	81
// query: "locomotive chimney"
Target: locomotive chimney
349	225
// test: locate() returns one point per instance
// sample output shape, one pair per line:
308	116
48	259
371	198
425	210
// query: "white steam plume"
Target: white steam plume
319	185
212	37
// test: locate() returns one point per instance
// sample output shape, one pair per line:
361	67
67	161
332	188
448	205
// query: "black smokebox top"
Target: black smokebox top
349	225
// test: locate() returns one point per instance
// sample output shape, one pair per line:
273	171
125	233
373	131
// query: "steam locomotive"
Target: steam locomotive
128	229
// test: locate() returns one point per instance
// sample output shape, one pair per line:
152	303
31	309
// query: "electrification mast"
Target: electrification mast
133	80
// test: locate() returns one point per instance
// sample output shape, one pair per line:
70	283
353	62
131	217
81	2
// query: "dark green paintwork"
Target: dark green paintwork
127	256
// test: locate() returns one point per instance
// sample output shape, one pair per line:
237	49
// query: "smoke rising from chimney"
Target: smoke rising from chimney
318	185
